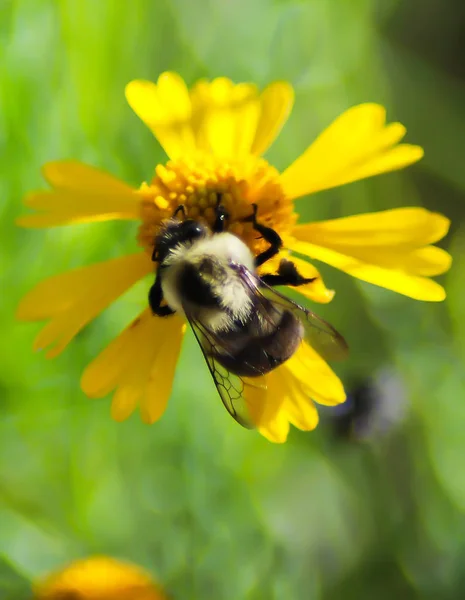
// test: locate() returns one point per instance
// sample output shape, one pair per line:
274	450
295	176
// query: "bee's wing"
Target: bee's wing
322	336
231	387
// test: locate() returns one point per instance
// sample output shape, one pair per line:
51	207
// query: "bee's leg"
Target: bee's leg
155	298
268	234
287	275
220	216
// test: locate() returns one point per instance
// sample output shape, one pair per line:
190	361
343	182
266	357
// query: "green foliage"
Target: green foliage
213	510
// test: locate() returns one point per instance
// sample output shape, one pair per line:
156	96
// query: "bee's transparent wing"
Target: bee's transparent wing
321	336
231	388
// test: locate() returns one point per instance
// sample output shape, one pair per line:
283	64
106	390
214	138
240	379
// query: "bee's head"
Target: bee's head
175	232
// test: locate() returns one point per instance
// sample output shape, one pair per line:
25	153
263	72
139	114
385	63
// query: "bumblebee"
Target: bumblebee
244	326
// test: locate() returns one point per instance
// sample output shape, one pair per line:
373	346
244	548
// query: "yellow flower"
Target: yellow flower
214	135
99	578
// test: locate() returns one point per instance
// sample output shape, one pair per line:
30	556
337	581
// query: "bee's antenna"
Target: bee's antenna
181	209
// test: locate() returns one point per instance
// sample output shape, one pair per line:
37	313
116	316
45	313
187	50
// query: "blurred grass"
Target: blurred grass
212	510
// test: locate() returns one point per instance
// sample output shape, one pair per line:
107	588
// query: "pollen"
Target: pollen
200	184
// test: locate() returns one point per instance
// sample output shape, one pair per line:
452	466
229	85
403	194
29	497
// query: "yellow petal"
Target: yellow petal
63	207
73	299
276	430
264	396
395	279
256	399
315	376
165	108
55	218
428	261
286	395
392	160
124	401
401	228
275	106
356	145
219	117
288	402
102	375
301	412
225	117
77	176
161	377
296	403
81	194
130	364
390	249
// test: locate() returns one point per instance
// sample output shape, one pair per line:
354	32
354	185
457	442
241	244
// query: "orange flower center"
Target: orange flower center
98	578
199	184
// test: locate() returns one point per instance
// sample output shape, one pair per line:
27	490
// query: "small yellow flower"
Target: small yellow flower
214	135
99	578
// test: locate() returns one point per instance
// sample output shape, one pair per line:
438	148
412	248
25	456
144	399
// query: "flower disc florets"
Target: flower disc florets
200	184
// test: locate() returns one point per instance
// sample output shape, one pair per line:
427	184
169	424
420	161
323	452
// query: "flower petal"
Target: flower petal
165	108
356	145
276	429
297	404
225	116
219	117
286	395
390	249
398	228
56	219
428	261
392	160
81	194
276	102
140	364
76	176
264	396
301	411
161	377
103	374
73	299
289	402
256	399
316	376
419	288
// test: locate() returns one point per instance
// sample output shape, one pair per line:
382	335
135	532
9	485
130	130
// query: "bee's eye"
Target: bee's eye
192	230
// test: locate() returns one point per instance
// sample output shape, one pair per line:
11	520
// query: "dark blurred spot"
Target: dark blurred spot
373	407
348	419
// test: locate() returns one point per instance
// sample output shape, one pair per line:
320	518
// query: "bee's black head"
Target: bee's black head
176	232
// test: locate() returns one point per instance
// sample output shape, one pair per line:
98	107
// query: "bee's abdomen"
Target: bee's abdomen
258	355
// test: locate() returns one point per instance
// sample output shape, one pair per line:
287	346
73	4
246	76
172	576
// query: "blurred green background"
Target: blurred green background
212	510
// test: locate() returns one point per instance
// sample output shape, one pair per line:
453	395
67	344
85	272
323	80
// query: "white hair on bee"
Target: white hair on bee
211	257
